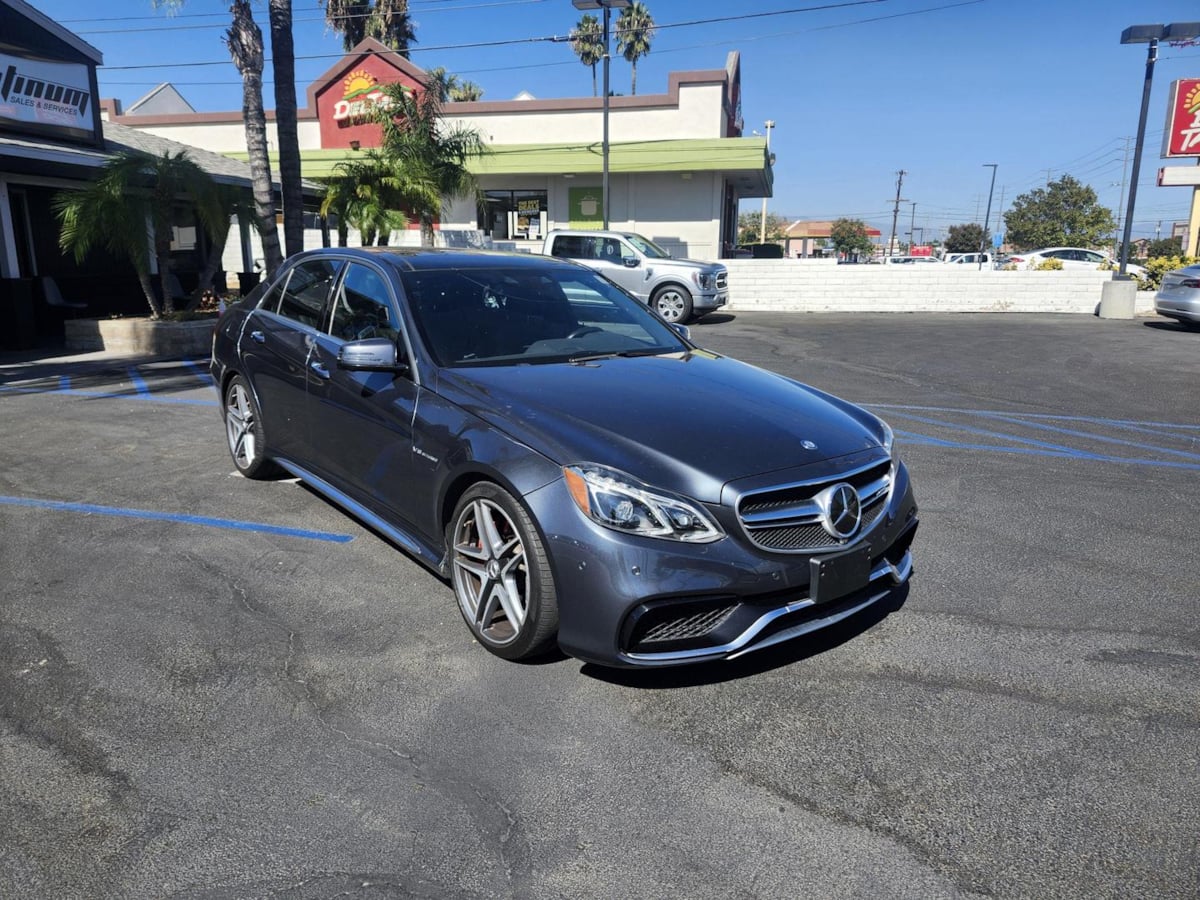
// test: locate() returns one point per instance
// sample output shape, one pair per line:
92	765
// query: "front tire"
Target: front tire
501	575
673	303
244	432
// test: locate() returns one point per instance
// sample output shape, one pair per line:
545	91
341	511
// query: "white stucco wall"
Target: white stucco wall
699	116
803	286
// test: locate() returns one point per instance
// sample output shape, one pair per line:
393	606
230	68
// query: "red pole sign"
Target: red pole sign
1182	137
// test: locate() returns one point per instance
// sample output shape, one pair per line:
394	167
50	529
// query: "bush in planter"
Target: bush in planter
1159	266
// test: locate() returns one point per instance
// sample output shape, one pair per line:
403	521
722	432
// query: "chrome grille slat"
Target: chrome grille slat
786	519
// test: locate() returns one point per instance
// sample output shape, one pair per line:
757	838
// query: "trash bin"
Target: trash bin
247	282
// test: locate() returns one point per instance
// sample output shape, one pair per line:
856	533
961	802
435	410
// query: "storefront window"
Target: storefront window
514	215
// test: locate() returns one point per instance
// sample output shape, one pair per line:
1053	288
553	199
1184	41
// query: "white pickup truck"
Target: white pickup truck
678	289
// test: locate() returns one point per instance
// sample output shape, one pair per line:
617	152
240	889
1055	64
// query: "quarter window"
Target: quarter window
307	290
362	307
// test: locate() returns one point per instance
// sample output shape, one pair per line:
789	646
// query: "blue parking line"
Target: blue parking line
154	515
1054	448
106	395
200	372
139	383
985	412
911	437
1088	434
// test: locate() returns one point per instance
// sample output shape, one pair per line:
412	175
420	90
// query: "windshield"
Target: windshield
521	315
646	247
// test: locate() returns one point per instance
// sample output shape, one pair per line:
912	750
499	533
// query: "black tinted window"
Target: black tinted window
362	307
307	289
570	246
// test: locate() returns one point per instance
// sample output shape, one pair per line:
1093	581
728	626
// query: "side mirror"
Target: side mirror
371	355
631	262
682	330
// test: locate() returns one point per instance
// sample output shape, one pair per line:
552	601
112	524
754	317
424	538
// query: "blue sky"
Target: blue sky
935	87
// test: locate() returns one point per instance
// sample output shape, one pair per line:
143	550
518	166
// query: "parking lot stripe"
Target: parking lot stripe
912	437
1024	423
104	395
207	521
1128	423
139	383
200	371
969	429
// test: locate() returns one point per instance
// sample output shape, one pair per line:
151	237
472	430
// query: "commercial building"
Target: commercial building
53	139
678	161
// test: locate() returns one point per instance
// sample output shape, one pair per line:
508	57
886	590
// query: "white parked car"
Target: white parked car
1071	258
909	260
1179	297
972	259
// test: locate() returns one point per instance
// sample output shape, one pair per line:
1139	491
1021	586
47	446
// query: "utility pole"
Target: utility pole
1121	201
762	225
987	216
1000	212
912	227
896	210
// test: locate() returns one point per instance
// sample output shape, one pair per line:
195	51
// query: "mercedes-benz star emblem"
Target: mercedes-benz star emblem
841	512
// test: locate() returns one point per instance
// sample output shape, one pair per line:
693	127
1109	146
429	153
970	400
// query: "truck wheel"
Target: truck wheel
673	303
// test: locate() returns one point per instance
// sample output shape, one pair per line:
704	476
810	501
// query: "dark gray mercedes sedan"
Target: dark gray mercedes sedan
575	467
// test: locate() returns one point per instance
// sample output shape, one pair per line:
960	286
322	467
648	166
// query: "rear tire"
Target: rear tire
244	432
501	575
673	303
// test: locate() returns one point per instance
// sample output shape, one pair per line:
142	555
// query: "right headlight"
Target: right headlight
887	437
620	502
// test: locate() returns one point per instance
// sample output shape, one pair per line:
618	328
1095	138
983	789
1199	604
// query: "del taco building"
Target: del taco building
678	162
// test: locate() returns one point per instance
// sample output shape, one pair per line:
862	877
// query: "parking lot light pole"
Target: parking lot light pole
762	225
605	5
1146	34
987	217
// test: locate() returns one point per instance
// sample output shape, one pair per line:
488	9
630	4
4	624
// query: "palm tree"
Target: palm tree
283	69
366	193
385	20
429	160
450	89
244	39
133	192
587	40
635	28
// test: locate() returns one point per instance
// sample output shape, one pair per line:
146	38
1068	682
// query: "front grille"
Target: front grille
722	279
787	519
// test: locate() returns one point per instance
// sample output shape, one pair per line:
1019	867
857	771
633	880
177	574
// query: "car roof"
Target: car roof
415	258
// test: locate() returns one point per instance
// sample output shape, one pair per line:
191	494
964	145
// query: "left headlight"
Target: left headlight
618	501
704	280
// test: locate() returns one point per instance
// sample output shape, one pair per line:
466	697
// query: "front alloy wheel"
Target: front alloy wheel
673	303
501	575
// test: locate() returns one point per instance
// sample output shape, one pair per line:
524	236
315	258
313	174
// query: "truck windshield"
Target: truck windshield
646	247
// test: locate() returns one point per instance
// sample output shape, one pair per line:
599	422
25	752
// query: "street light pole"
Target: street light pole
1141	34
762	225
987	217
912	228
606	5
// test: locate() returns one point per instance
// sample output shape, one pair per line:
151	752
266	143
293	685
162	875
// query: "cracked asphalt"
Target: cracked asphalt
295	709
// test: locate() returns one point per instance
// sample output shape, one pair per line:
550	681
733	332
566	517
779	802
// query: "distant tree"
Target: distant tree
1172	246
1063	213
966	238
368	194
387	21
850	237
635	28
450	89
749	227
587	40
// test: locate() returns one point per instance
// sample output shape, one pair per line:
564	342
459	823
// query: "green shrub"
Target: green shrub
1159	266
1049	264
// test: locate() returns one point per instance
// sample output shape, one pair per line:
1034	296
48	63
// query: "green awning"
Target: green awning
732	155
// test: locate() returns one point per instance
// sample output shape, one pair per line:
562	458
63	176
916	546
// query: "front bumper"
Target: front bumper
627	601
706	302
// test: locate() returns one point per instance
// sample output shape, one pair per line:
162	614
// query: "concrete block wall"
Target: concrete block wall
793	285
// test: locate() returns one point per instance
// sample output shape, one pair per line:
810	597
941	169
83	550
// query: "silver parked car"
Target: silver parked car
1179	296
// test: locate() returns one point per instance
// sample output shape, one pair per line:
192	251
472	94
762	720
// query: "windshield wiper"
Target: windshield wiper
625	354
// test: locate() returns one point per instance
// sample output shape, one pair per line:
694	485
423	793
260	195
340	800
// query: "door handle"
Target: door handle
319	368
258	337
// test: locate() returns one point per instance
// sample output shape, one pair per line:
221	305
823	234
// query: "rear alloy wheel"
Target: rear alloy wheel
673	303
501	576
244	430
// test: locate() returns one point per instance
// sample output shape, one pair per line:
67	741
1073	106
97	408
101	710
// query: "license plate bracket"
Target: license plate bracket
834	576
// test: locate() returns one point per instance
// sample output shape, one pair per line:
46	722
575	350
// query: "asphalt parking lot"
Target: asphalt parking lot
216	688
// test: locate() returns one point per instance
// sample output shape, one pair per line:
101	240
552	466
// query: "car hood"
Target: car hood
687	422
696	264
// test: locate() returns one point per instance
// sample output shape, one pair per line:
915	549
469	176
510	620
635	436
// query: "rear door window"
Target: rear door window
307	291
